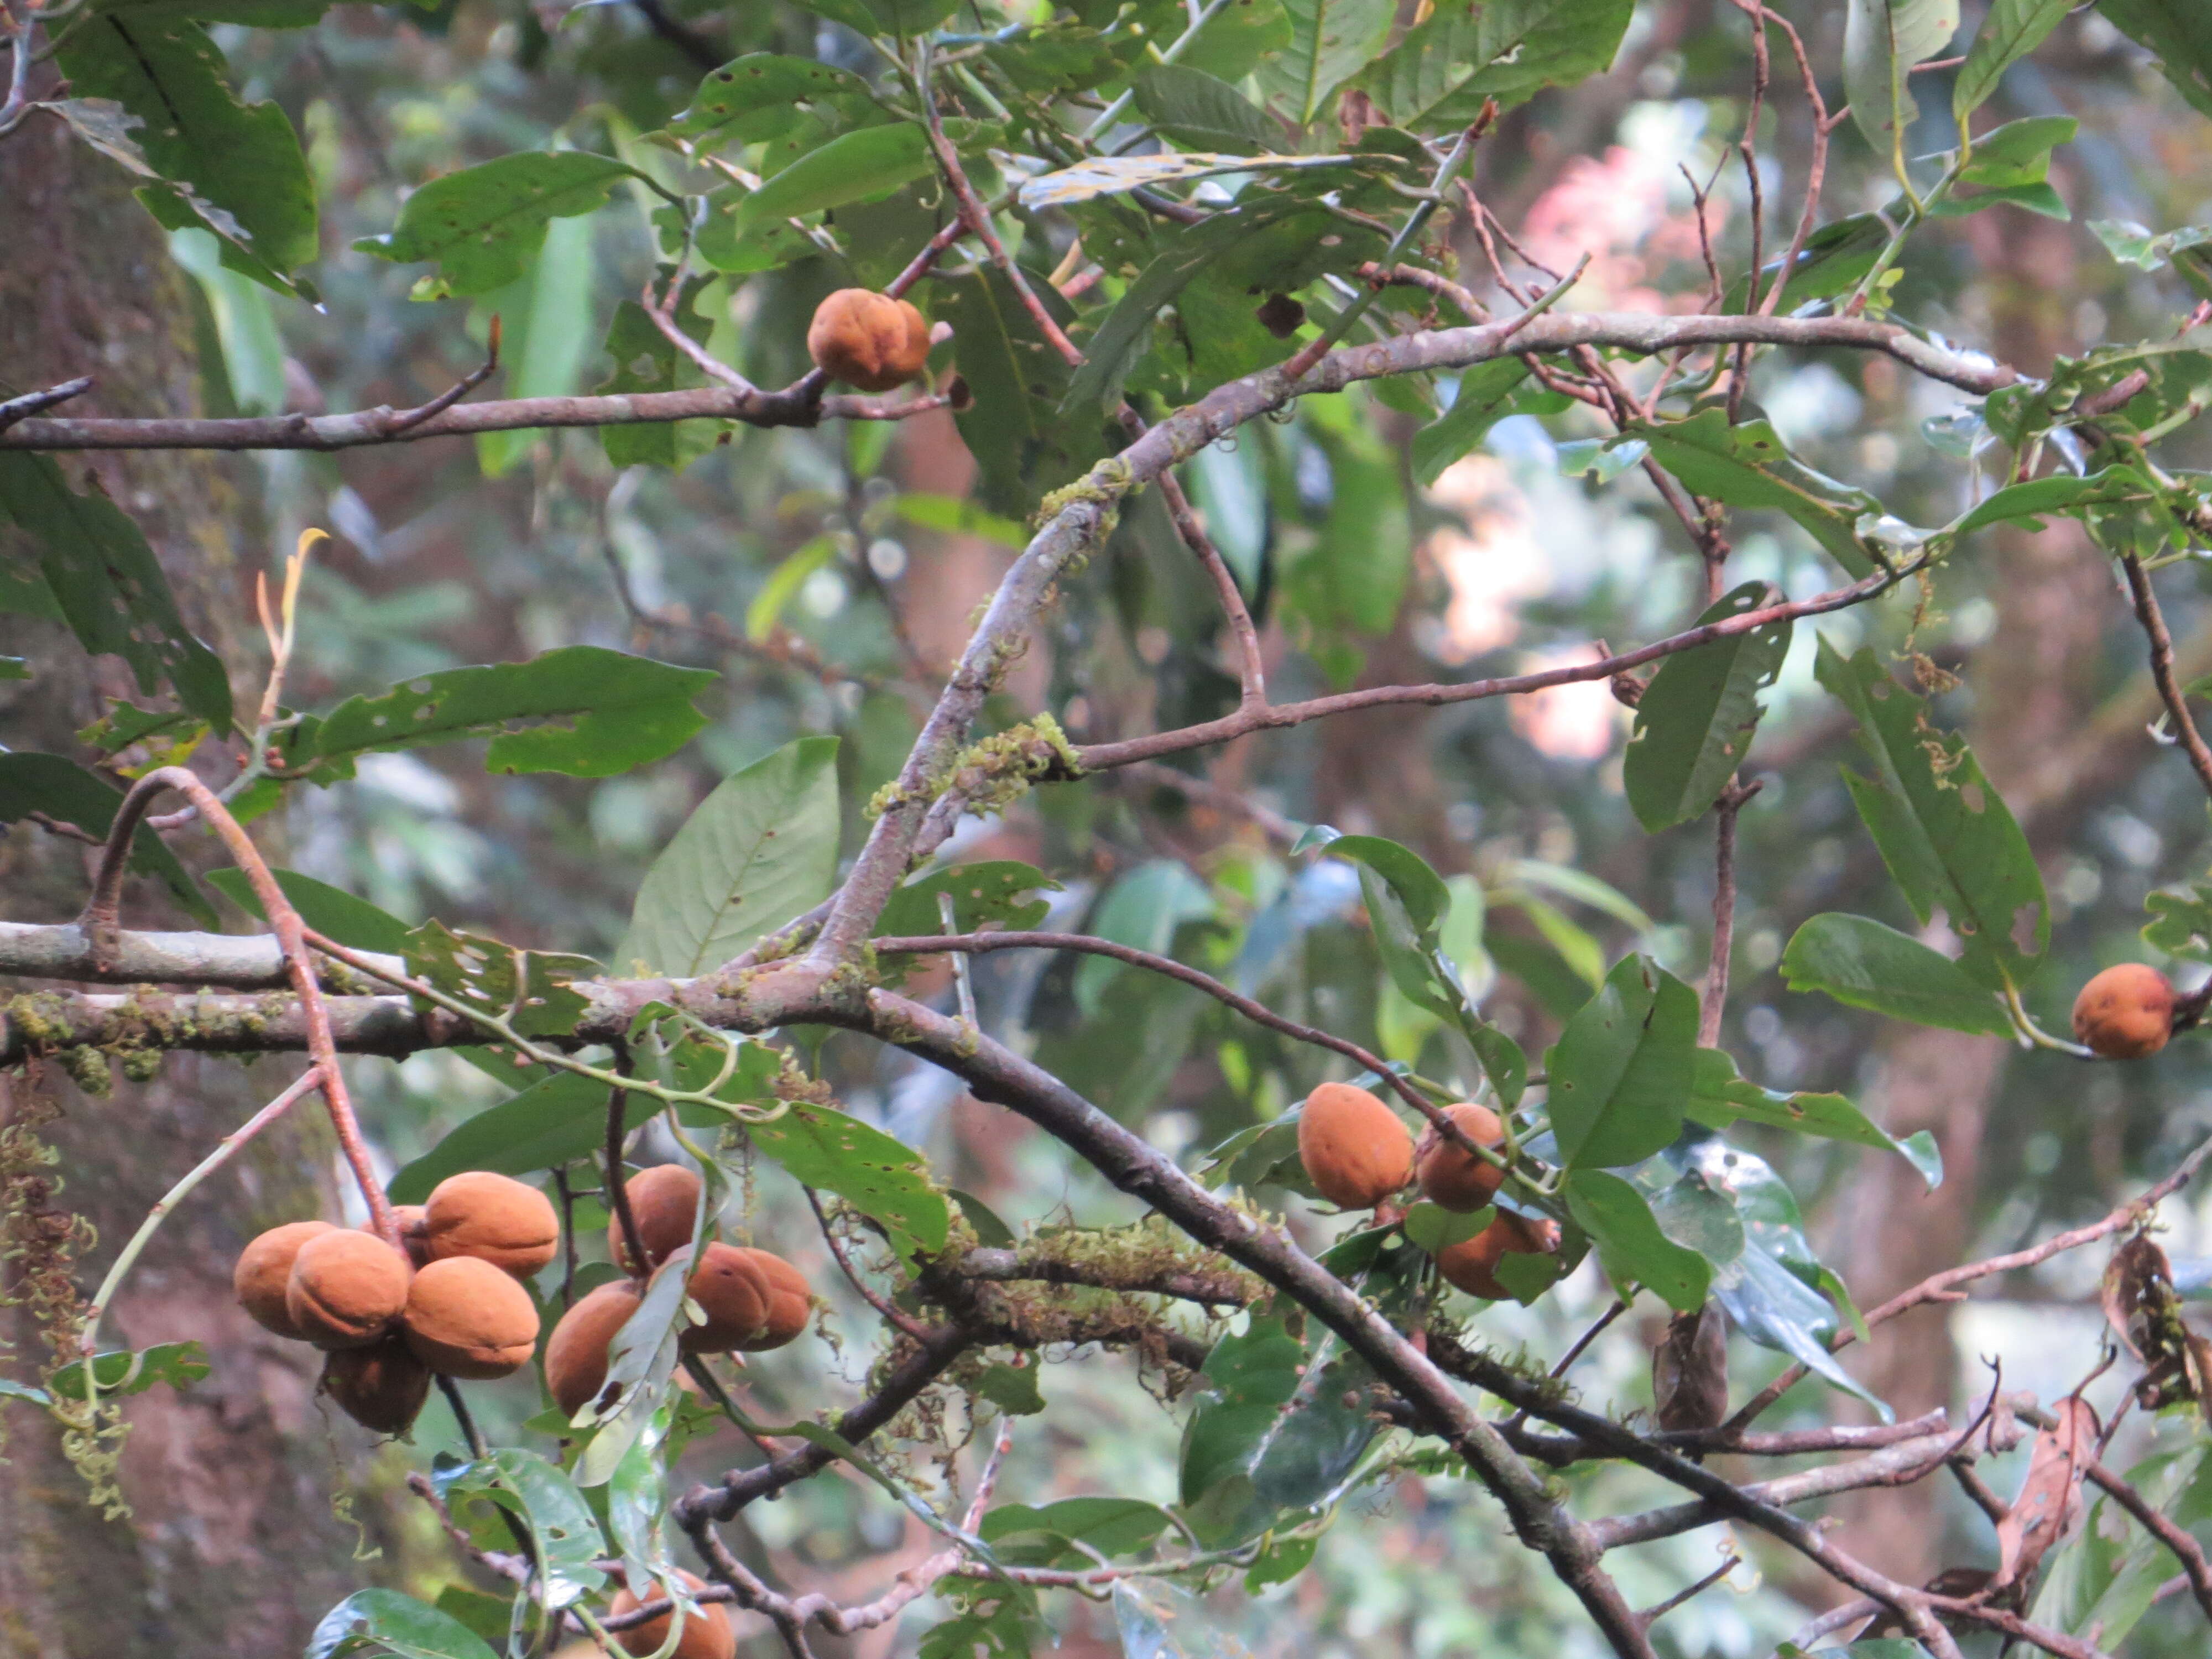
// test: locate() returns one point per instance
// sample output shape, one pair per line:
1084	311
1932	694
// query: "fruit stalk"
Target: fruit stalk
100	925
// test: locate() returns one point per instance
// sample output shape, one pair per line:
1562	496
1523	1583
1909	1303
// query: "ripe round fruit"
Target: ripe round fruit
790	1301
264	1269
731	1292
1355	1150
346	1289
1451	1176
708	1633
1472	1264
467	1319
2125	1013
867	339
493	1217
576	1355
381	1388
663	1201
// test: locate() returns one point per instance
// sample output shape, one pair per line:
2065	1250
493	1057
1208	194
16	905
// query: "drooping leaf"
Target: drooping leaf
1944	832
1695	718
1858	961
581	709
386	1621
1630	1245
1191	108
860	166
65	792
1485	397
1622	1068
484	225
1047	1534
96	565
231	168
2177	33
760	850
2012	29
2061	492
1747	465
885	1180
1882	41
1719	1097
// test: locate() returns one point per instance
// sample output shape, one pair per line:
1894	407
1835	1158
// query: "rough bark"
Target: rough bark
233	1547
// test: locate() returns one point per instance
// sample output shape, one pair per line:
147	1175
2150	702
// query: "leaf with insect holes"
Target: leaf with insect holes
1621	1069
1719	1097
875	1175
1944	832
581	710
1860	962
111	590
528	988
373	1622
1445	68
564	1535
484	225
1694	721
1630	1247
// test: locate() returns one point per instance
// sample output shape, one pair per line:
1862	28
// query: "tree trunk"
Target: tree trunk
232	1546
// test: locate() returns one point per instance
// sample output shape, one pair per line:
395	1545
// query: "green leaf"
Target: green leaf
1748	466
1622	1067
1773	1289
981	893
1191	108
2012	29
1022	442
582	710
385	1621
1695	719
484	225
761	96
330	911
1833	260
1012	1388
1882	41
1630	1246
1047	1536
1441	71
1435	1228
861	166
560	1119
63	790
1857	961
2181	923
1485	398
1948	838
760	850
1143	908
548	315
1719	1097
885	1180
2061	492
232	168
565	1534
110	588
1331	40
2178	34
645	360
531	989
1127	328
177	1365
1242	34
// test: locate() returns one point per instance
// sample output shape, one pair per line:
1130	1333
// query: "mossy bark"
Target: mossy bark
233	1547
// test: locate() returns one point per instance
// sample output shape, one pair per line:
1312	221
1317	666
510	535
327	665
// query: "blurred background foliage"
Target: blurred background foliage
830	576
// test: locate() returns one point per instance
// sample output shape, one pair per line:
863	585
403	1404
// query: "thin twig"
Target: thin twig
1712	1002
892	1314
2161	668
460	388
17	409
1251	676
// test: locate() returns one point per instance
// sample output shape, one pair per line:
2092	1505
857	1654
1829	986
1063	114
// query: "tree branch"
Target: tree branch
2161	669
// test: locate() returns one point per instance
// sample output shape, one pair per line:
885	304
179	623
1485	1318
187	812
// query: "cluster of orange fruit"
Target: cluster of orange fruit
450	1302
1357	1153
